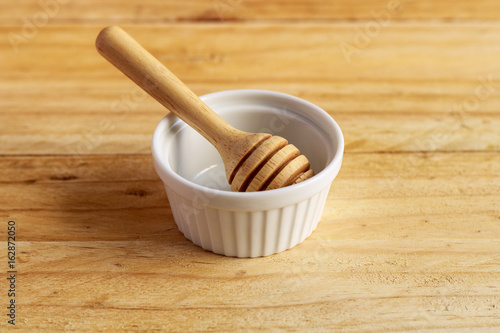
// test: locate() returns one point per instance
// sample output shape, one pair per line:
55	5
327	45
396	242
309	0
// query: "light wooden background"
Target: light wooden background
410	236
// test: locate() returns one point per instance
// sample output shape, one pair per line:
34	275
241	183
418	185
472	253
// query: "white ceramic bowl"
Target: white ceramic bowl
247	224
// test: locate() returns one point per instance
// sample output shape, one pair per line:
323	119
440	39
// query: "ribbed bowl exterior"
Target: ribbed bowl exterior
249	224
246	234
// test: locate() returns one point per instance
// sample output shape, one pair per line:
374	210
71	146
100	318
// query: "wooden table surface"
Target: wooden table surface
410	236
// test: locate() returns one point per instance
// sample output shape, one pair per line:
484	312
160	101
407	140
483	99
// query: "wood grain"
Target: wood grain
80	134
159	12
410	236
421	237
429	105
163	293
121	197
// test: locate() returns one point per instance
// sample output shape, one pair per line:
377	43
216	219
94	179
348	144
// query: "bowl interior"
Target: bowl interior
192	157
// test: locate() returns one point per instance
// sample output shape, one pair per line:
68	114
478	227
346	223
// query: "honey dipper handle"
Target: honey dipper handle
126	54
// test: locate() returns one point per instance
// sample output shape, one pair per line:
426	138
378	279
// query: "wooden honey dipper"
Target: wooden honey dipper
253	161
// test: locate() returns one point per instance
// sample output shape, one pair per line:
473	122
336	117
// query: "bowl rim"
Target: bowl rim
248	200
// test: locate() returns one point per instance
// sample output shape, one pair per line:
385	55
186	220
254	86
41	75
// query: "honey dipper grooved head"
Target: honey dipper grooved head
253	161
271	164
